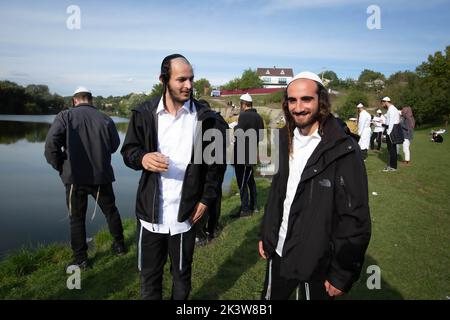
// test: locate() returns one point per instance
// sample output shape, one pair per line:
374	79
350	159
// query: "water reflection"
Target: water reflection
12	131
32	196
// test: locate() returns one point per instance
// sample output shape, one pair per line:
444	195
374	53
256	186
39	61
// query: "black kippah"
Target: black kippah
169	58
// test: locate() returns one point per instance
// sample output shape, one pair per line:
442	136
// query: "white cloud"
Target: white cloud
123	54
275	6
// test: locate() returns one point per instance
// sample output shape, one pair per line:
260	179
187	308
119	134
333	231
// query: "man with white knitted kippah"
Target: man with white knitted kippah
316	225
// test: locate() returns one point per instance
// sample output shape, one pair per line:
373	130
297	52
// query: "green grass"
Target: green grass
411	232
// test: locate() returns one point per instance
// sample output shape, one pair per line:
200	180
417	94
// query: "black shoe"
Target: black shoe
83	265
247	213
118	248
201	241
211	236
235	215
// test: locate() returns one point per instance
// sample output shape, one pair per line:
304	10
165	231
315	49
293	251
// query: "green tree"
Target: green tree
232	85
434	77
426	91
370	76
330	75
12	98
250	80
401	78
157	90
38	90
202	87
348	108
131	101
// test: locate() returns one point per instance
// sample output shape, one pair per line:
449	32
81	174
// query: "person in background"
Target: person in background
249	122
408	124
392	119
79	145
208	226
435	137
378	121
364	130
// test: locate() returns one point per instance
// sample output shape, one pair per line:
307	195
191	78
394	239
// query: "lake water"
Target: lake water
32	196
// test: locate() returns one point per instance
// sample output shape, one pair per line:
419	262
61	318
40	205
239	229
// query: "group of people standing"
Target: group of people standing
397	126
316	224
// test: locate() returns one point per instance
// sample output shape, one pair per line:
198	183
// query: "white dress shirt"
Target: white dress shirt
364	130
378	121
302	149
175	140
392	117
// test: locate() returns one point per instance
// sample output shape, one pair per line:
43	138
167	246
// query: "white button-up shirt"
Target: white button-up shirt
378	121
364	122
302	149
364	130
392	117
175	141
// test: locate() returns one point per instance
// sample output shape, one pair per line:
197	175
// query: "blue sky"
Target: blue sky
120	45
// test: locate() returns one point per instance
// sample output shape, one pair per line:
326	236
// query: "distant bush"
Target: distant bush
348	108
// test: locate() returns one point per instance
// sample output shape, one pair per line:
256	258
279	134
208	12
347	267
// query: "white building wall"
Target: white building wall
274	81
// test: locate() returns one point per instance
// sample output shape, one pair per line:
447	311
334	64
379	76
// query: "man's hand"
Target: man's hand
261	250
332	291
199	211
155	162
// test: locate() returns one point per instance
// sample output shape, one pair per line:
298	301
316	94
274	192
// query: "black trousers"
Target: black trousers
282	288
364	154
214	211
77	201
153	249
247	185
375	136
392	149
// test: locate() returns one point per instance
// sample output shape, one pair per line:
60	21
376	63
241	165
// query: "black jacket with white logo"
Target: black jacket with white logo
329	224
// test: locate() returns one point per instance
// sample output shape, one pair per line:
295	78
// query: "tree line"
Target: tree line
32	99
426	90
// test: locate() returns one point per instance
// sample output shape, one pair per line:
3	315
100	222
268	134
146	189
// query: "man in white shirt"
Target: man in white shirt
364	130
378	129
392	118
316	224
174	191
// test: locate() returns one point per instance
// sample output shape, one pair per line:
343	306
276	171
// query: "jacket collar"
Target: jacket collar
85	105
334	144
185	107
203	112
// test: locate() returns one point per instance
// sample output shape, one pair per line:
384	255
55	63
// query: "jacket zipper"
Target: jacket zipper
311	190
349	200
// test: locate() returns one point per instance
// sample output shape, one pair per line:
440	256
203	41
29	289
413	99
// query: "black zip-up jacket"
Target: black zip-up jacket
79	145
200	180
249	119
329	223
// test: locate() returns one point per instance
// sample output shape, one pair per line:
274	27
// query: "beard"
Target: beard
308	121
180	96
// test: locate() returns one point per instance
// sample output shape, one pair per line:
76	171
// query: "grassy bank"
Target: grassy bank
411	232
